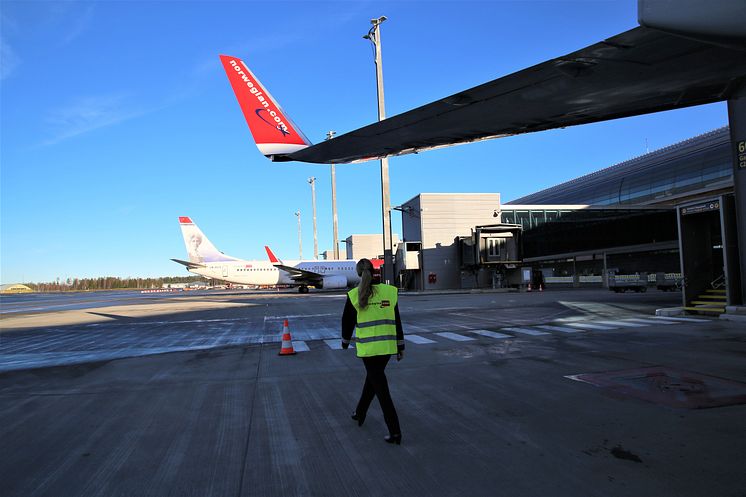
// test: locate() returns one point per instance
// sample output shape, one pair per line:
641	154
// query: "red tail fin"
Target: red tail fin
272	258
273	131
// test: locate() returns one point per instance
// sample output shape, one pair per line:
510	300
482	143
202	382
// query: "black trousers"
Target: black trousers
376	385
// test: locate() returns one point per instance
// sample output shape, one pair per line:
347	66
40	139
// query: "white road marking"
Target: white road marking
296	316
673	318
300	346
526	331
590	326
418	339
491	334
454	336
335	344
621	323
561	329
651	321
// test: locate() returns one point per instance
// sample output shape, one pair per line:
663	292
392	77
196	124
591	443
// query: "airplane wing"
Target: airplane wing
296	274
300	275
189	265
639	71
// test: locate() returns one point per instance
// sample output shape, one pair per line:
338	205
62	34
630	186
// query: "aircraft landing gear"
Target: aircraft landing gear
303	289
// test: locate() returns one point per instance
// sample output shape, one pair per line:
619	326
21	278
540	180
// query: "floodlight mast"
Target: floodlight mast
374	35
300	240
329	136
312	182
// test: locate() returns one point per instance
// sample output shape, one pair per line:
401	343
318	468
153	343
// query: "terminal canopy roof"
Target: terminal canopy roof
637	72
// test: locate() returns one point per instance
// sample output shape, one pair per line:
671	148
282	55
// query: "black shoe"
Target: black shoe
360	418
393	439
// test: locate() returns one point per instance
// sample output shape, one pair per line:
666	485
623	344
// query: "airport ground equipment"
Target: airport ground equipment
620	283
667	282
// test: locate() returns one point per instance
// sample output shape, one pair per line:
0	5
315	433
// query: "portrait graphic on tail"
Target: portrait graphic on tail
199	248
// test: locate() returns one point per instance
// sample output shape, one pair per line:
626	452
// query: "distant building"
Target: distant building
15	288
328	255
367	246
430	223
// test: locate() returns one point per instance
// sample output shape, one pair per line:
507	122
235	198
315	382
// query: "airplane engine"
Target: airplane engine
331	282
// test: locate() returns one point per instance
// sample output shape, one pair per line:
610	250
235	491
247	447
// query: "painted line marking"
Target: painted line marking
296	316
336	344
491	334
418	339
526	331
590	326
561	329
673	318
455	336
300	346
651	321
621	323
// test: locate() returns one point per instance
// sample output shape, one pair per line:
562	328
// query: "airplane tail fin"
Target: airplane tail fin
199	248
273	131
272	257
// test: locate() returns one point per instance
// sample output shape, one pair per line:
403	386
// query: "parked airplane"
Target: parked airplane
208	261
693	54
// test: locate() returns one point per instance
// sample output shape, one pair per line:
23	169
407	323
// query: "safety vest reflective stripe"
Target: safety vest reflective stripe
379	338
379	322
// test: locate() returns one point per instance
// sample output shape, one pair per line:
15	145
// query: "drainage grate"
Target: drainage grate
669	387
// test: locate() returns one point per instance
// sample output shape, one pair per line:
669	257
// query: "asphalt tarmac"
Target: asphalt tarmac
564	393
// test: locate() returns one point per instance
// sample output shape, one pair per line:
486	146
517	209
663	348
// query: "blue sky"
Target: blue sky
116	118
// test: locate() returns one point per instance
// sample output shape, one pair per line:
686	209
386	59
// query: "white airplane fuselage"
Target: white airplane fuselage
206	260
244	272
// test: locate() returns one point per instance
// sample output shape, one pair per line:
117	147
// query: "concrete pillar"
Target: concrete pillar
575	277
737	121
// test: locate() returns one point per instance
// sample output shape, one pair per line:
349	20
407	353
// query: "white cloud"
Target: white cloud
82	20
8	60
89	113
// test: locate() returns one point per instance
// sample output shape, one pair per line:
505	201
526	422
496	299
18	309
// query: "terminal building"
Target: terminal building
630	218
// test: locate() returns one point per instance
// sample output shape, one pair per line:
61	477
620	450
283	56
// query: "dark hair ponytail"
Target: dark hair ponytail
365	287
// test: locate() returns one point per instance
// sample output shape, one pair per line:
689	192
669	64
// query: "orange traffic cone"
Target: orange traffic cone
528	289
287	342
541	287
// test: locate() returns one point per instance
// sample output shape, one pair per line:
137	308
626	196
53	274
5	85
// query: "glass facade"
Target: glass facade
590	229
700	163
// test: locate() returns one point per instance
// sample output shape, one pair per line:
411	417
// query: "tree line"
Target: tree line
109	283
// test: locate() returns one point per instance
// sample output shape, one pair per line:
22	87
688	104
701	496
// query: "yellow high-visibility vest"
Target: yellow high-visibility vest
376	324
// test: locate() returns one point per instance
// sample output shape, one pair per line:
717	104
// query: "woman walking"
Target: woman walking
373	310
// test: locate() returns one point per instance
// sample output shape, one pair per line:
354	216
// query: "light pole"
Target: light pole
300	240
374	35
329	136
312	182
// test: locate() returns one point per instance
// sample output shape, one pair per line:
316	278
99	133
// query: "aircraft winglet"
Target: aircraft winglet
273	131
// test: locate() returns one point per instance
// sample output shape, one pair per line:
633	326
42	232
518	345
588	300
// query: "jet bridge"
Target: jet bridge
493	255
